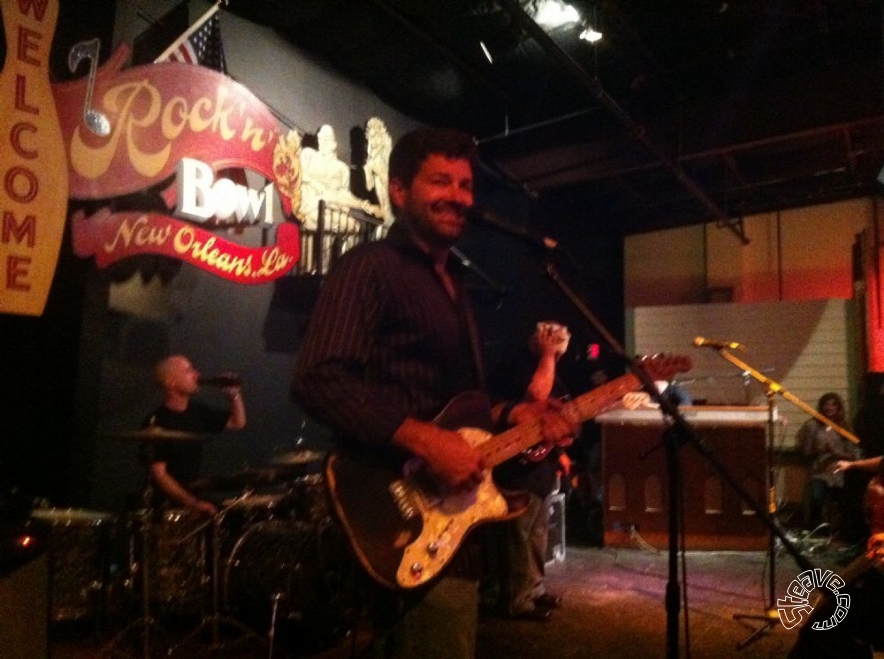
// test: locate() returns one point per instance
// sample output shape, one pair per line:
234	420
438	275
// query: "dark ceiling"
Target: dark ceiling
687	111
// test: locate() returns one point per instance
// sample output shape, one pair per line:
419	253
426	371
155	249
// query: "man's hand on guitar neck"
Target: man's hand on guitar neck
556	428
450	460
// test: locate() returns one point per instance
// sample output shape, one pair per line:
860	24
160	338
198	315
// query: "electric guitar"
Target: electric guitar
404	528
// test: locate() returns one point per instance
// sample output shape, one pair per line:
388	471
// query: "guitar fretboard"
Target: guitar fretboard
510	443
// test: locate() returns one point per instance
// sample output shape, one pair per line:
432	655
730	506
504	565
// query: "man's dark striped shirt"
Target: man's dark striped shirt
385	342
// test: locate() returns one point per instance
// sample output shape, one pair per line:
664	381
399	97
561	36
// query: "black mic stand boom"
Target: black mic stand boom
771	616
680	433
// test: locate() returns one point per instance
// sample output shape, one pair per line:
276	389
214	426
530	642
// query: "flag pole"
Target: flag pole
184	37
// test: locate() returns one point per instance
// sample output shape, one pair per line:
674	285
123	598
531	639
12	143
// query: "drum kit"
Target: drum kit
271	558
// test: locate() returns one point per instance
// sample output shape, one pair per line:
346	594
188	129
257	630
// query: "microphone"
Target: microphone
220	381
718	345
491	219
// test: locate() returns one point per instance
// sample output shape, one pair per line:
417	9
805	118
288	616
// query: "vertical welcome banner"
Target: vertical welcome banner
33	161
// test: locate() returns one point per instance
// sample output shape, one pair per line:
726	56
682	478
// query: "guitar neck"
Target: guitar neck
510	443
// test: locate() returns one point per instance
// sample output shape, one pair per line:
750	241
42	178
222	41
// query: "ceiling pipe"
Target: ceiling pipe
633	128
728	153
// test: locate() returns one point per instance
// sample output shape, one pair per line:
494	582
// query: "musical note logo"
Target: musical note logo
94	120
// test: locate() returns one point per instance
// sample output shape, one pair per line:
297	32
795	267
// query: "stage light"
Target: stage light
590	35
487	52
553	13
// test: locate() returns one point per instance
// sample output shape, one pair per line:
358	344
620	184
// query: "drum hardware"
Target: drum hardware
300	457
155	434
249	478
310	498
297	577
298	463
215	619
274	614
250	509
145	624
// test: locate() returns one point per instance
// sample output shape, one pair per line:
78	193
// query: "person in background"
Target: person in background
525	539
176	463
585	492
391	340
824	446
675	393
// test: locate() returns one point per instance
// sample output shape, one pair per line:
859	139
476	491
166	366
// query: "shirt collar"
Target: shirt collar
398	236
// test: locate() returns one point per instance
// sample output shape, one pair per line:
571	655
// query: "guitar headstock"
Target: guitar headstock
663	366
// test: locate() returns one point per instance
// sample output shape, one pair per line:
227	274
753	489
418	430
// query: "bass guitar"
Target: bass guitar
404	528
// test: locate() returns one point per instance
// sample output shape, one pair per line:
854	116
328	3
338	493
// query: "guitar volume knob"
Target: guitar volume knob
433	548
417	569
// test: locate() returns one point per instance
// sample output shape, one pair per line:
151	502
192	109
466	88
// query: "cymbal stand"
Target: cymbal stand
274	612
145	622
216	619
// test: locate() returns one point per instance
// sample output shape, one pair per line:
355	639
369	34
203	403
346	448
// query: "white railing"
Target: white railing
339	229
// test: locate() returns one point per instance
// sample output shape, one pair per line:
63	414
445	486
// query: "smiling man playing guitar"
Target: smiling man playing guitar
391	340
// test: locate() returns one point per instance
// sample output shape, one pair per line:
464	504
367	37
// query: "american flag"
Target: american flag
201	45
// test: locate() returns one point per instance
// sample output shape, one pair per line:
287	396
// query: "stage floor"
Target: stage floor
613	607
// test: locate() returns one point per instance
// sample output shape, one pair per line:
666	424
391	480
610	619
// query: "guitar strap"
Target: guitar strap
458	294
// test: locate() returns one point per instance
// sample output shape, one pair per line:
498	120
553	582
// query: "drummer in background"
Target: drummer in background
175	463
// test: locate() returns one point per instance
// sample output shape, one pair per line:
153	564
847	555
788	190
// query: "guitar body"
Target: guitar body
403	529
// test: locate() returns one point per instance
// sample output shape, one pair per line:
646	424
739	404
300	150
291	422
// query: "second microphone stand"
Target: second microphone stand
680	433
771	617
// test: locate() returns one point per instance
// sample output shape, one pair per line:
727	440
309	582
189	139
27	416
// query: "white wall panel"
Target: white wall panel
804	346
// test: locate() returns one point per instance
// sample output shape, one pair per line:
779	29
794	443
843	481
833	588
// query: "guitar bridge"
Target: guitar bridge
399	491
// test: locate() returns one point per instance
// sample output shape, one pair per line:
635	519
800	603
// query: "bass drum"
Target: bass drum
307	570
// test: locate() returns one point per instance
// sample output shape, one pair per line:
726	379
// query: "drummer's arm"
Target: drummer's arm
177	492
237	418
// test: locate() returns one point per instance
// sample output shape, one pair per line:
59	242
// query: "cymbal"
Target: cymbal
249	478
155	434
301	457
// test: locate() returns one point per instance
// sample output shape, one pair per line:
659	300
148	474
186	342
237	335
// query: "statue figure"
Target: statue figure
326	177
376	167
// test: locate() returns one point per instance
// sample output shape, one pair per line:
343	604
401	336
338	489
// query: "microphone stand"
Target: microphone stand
771	616
680	432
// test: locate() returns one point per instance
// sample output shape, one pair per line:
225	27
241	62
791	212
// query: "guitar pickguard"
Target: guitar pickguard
446	516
